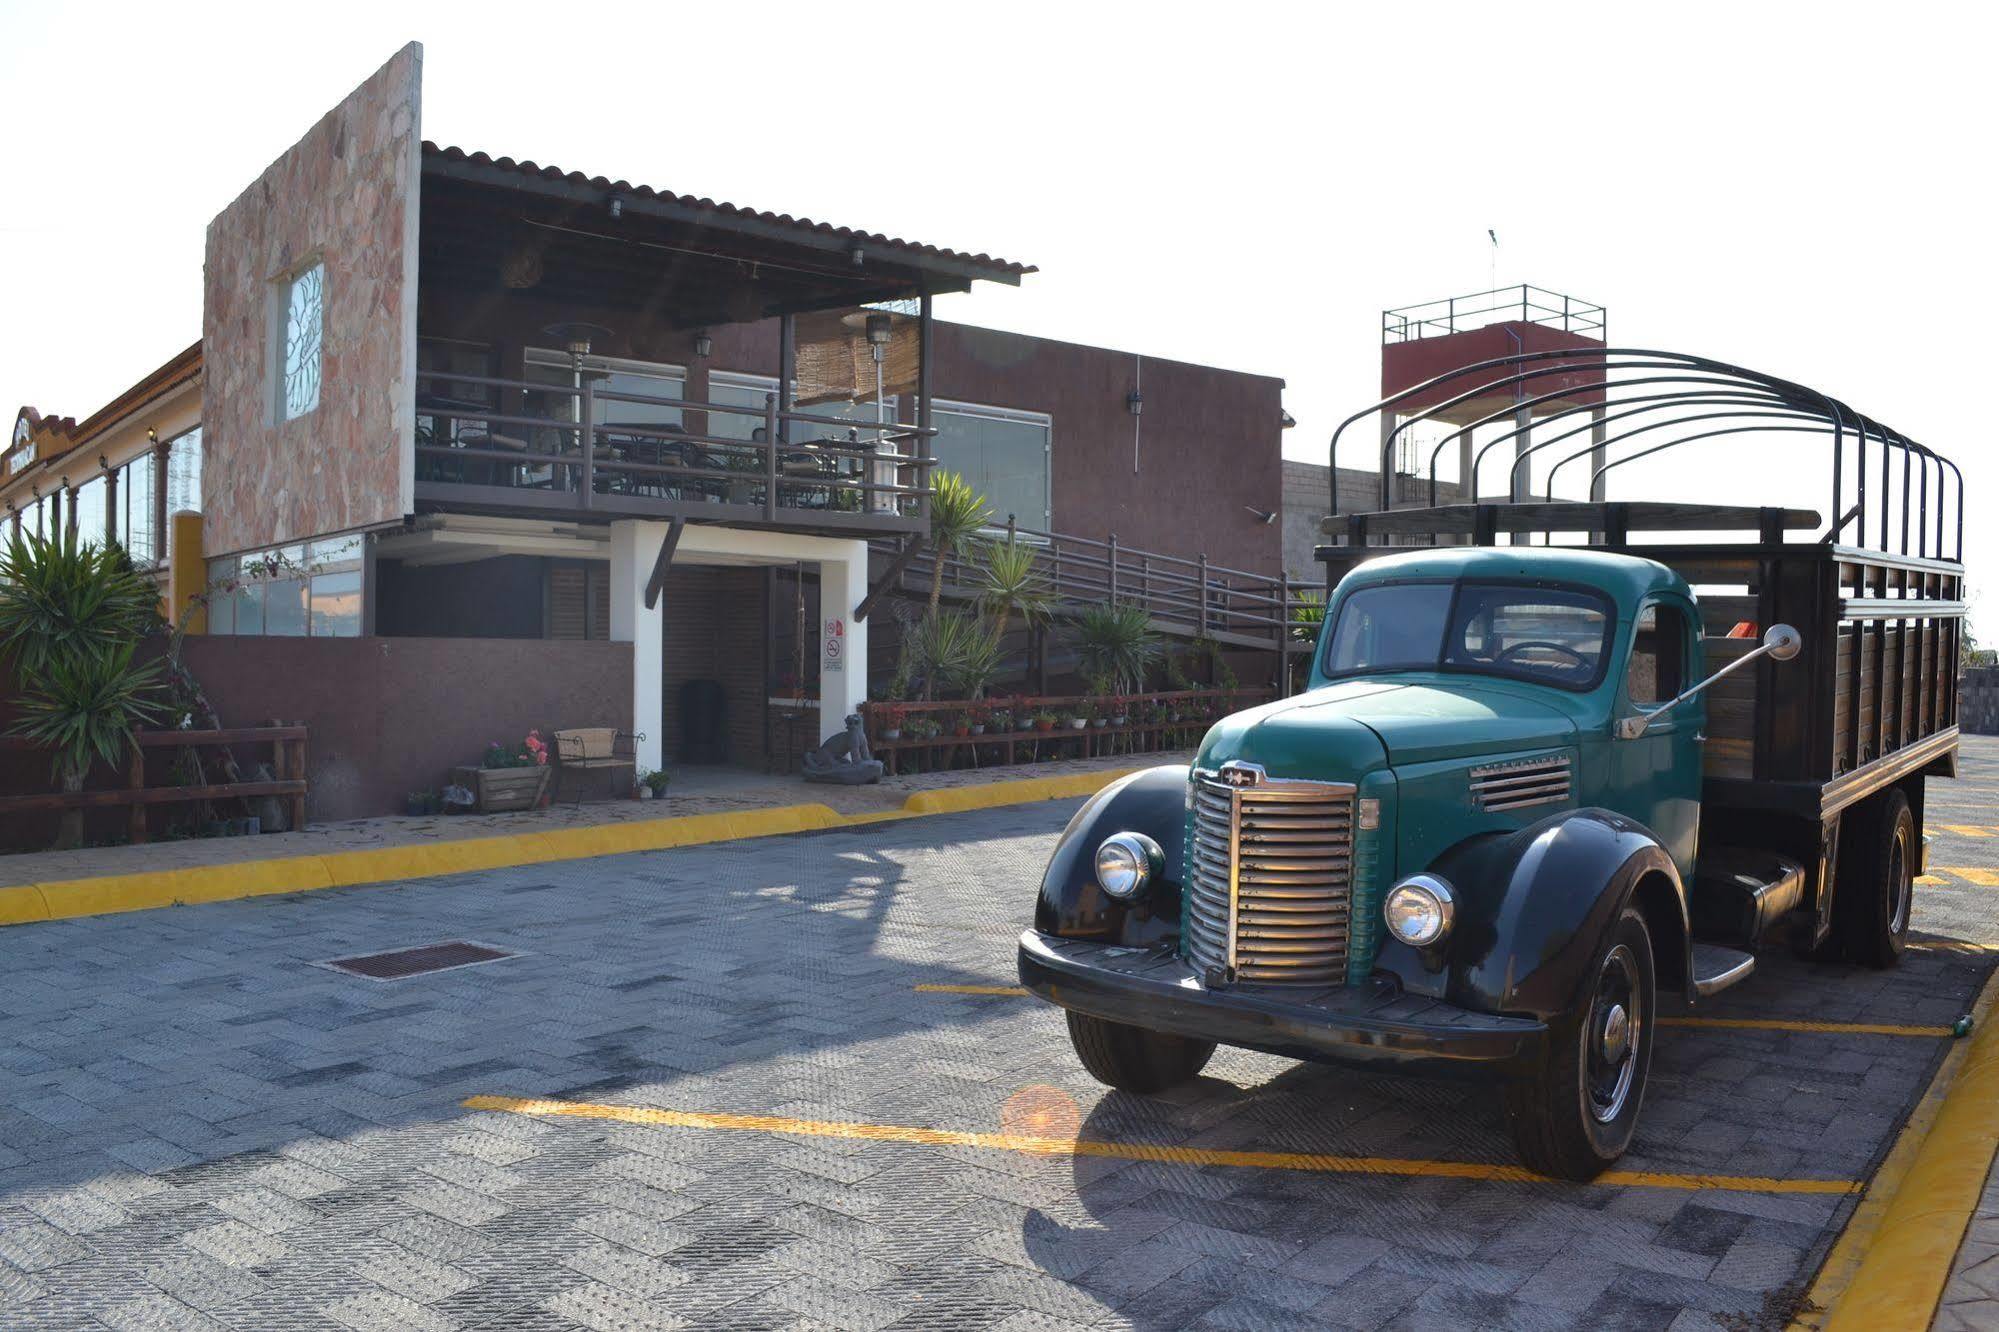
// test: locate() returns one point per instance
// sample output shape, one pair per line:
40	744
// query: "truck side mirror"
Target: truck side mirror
1780	643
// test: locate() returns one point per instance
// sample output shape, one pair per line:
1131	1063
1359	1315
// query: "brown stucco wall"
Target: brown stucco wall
345	194
392	715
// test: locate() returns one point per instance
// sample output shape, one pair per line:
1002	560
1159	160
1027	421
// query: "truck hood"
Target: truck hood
1410	723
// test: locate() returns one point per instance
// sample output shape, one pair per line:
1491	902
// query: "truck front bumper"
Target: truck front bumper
1372	1025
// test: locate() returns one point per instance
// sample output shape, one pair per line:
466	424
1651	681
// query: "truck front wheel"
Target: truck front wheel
1133	1059
1576	1116
1877	880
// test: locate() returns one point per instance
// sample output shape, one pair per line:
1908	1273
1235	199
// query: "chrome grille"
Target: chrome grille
1518	785
1270	880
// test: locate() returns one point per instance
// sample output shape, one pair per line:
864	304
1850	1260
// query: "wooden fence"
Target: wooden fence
287	767
1153	722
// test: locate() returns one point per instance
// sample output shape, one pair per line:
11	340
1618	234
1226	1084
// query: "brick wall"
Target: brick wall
715	630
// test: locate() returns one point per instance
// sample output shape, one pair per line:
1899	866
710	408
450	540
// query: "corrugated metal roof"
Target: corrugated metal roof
1007	266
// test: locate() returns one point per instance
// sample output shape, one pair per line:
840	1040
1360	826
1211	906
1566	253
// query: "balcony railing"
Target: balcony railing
1522	304
536	446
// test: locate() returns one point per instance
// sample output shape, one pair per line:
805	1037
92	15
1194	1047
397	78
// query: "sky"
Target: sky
1804	189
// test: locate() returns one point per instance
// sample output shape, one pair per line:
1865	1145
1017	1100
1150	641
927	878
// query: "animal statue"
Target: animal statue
844	759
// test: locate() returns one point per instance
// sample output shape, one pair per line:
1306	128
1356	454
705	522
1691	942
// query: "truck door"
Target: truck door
1656	778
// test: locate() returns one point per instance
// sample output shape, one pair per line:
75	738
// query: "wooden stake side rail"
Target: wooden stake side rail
288	765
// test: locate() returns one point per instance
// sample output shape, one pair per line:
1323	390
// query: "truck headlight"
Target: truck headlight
1418	910
1126	862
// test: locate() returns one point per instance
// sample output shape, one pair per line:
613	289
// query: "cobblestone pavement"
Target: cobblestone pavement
200	1128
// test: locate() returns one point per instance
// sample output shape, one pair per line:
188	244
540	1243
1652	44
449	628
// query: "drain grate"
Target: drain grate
405	962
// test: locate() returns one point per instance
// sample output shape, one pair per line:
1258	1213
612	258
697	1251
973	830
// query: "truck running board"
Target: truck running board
1740	893
1716	968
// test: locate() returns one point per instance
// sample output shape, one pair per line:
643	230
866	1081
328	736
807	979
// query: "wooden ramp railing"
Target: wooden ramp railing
1185	598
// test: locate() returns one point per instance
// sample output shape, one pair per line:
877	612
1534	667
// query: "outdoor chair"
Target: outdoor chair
596	749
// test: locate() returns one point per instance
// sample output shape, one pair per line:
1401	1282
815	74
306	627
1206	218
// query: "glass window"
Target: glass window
1656	671
336	605
1389	628
1549	635
184	472
247	608
135	499
284	607
91	518
305	299
1004	455
336	552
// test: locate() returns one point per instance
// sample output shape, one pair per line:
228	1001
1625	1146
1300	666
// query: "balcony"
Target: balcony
537	448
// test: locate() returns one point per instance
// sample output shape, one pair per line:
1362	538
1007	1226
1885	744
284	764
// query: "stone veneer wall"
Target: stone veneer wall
346	195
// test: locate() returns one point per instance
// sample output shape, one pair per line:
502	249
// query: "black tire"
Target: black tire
1133	1059
1575	1117
1876	887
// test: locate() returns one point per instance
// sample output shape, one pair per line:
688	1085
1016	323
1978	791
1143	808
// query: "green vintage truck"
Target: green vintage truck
1537	796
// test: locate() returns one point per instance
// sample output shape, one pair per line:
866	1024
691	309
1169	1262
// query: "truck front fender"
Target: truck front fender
1533	908
1072	906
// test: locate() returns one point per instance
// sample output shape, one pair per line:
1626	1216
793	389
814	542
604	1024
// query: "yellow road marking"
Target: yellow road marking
1932	881
1984	878
1965	829
1131	1151
1908	1259
971	989
1744	1024
1778	1024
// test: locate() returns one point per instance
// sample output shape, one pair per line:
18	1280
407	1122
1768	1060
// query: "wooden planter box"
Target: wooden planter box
503	789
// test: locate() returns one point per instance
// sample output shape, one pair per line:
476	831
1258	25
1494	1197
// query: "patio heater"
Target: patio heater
879	328
576	338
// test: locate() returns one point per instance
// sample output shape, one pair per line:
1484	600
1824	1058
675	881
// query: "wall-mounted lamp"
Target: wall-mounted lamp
152	435
879	330
1264	516
703	344
103	464
617	206
1135	401
857	256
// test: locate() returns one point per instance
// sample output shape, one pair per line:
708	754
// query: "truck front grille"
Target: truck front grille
1270	879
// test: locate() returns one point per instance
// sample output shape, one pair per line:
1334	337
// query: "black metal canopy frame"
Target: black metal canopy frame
1689	399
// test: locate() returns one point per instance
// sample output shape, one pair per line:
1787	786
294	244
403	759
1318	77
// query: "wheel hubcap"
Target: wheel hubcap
1898	884
1611	1036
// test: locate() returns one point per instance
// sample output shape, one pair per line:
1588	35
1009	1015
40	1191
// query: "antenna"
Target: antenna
1492	267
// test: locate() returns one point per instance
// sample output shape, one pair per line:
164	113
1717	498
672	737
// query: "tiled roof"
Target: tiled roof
432	150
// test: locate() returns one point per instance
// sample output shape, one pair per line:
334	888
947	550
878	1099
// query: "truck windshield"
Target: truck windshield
1557	636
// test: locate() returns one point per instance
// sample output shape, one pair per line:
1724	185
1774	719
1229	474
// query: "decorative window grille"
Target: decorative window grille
305	298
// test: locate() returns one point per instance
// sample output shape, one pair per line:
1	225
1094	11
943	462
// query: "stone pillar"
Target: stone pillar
634	546
843	643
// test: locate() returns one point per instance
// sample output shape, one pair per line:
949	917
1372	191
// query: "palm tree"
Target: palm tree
85	710
957	515
1116	641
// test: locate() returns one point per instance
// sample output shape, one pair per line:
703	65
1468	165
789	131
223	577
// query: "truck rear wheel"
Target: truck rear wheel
1133	1059
1877	880
1576	1116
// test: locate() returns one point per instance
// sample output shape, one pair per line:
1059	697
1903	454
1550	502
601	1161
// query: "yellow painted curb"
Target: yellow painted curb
1889	1267
24	904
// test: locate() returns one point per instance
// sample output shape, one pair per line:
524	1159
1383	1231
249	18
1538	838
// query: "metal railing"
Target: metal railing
1522	304
477	436
1194	598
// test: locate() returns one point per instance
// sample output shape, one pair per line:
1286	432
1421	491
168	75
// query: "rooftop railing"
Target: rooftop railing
1522	304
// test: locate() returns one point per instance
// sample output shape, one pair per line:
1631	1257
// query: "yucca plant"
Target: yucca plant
1308	615
85	710
951	648
1116	641
958	514
978	660
62	600
1011	585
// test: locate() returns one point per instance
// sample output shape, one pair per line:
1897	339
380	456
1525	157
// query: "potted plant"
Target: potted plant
1120	711
1000	720
1078	720
656	782
1044	721
891	721
641	790
976	715
961	725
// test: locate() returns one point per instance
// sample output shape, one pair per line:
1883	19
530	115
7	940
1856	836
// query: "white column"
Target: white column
843	644
634	547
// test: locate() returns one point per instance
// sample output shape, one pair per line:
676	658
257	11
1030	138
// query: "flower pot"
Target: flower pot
892	733
1078	723
1100	721
978	730
1120	721
961	731
1048	725
643	792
